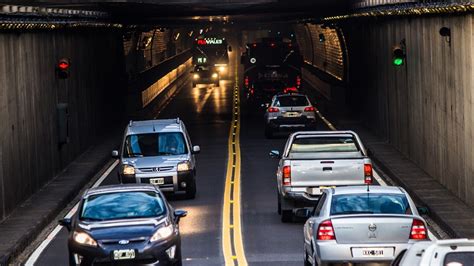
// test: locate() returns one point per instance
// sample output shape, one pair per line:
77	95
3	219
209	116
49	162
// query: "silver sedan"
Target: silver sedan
361	224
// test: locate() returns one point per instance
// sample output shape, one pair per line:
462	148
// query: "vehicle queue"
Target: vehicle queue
325	177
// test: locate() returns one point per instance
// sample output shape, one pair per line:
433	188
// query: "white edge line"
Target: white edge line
37	253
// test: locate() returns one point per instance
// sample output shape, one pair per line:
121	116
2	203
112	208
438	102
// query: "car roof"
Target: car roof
119	188
363	189
157	125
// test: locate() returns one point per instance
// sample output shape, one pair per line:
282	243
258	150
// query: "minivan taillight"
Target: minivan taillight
286	175
418	230
368	173
273	110
326	231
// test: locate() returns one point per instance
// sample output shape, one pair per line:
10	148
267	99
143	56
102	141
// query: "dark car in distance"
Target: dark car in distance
129	224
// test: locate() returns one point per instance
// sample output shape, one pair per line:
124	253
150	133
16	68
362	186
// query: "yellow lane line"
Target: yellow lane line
232	243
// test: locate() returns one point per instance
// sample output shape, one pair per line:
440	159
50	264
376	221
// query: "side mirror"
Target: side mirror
230	48
196	149
178	214
423	210
303	213
274	154
66	222
115	154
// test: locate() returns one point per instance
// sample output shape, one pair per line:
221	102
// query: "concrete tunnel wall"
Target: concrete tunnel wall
30	91
425	108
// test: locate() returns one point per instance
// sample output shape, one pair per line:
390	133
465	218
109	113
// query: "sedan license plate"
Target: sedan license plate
372	252
124	254
157	181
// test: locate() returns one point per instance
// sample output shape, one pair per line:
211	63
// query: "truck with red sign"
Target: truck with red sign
212	52
271	66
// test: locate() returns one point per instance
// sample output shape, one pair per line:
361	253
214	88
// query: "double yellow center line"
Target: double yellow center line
232	244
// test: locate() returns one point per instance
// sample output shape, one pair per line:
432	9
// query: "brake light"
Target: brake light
273	110
254	45
368	173
418	230
246	81
309	109
298	81
286	175
291	89
326	231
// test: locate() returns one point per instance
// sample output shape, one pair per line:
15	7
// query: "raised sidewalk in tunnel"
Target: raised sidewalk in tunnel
454	216
26	222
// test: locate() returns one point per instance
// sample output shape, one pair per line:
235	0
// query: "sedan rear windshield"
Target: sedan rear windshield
122	205
323	144
368	203
289	101
155	144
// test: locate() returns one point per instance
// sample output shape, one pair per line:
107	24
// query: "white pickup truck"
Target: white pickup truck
317	160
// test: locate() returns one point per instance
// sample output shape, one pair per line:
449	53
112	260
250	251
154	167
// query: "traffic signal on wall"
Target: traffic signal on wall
399	54
62	68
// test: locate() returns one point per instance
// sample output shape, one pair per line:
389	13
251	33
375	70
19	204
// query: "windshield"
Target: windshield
290	101
155	144
122	205
323	144
370	203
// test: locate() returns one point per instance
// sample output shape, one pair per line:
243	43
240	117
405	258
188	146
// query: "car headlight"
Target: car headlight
196	76
215	75
84	239
184	166
162	233
128	170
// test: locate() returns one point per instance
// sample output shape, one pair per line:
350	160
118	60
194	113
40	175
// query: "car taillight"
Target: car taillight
368	173
326	231
246	81
298	81
309	109
286	175
418	230
273	110
289	90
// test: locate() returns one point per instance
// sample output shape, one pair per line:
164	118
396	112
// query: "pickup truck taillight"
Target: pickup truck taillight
368	173
418	230
326	231
286	175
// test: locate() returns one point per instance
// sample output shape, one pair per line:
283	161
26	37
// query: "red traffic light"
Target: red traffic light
63	64
62	68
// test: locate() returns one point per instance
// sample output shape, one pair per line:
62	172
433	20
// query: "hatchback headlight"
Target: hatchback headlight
84	239
184	166
128	170
162	233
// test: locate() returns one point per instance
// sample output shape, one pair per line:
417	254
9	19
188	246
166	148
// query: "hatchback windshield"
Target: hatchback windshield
289	101
123	205
154	144
370	203
323	144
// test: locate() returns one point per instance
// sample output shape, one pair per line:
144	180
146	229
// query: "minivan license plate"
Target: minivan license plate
124	254
157	181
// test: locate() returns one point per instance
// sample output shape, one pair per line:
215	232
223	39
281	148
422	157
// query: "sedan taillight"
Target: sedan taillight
309	109
286	175
418	230
326	231
273	110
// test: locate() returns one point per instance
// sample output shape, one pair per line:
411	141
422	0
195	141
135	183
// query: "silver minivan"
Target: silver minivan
158	152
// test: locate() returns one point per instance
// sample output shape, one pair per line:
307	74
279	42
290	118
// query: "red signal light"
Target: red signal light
63	65
62	68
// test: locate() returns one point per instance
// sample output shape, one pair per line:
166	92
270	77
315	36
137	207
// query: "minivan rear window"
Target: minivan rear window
323	144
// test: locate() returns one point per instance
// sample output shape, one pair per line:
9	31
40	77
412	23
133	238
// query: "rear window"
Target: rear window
288	101
368	203
459	258
323	144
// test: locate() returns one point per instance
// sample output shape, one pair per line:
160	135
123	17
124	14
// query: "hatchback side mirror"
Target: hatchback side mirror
66	222
115	154
274	154
303	213
196	149
178	214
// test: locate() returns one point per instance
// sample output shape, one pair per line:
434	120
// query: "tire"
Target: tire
191	190
268	132
287	216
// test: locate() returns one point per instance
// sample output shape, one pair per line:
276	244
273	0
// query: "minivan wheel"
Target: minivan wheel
286	216
191	190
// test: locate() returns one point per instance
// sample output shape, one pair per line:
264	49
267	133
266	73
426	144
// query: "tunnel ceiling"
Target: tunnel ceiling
192	11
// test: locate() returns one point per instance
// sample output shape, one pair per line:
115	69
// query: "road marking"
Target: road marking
232	244
376	175
38	251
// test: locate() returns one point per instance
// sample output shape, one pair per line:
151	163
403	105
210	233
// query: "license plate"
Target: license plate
124	254
157	181
372	252
326	187
292	114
